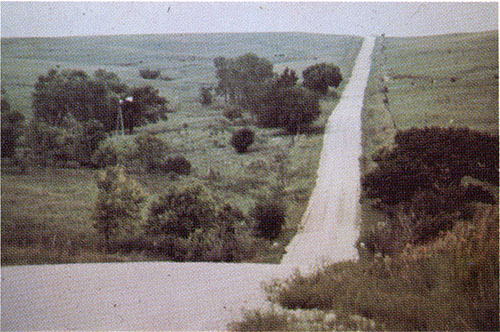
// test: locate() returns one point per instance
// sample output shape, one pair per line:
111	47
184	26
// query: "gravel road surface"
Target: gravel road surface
199	296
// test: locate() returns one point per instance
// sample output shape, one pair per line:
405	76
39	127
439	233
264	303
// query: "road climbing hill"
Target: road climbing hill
199	296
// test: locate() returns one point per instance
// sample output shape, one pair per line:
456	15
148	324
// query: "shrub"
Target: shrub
269	218
149	74
291	108
233	112
114	150
12	128
150	151
180	211
321	76
242	139
178	165
118	205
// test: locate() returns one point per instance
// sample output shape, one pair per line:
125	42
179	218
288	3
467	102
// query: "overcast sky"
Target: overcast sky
50	19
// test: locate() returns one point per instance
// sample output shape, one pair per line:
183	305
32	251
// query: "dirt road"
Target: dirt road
198	296
329	223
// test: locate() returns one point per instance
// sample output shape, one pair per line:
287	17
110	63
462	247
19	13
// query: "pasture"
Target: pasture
46	213
446	81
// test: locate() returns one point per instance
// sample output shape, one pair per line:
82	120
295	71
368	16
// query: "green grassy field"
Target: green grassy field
186	58
447	81
56	205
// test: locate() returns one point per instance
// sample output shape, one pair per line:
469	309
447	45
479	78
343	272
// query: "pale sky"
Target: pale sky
54	19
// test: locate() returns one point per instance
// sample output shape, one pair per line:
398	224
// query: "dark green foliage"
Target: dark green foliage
181	211
269	216
62	96
88	138
149	74
74	93
145	106
287	79
233	112
186	224
206	96
12	129
239	77
291	108
431	158
178	165
418	184
242	139
150	152
321	76
73	142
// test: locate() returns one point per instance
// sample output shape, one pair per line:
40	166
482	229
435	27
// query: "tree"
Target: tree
118	205
144	105
419	184
290	108
431	159
241	76
321	76
181	211
287	79
12	128
73	93
269	217
150	151
242	139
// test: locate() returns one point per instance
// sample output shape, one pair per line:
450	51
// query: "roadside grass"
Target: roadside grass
448	284
55	205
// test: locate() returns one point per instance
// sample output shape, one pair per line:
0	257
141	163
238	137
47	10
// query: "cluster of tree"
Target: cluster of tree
279	104
239	77
186	223
73	113
74	94
419	183
275	100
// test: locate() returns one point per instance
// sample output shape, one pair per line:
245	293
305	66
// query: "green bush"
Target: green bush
150	151
233	112
12	129
291	108
180	211
321	76
178	165
113	151
118	206
269	216
242	139
149	74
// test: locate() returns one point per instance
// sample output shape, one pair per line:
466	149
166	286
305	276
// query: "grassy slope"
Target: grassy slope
200	133
449	80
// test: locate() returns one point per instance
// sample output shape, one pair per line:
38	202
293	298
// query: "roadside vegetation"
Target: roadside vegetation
428	241
112	167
